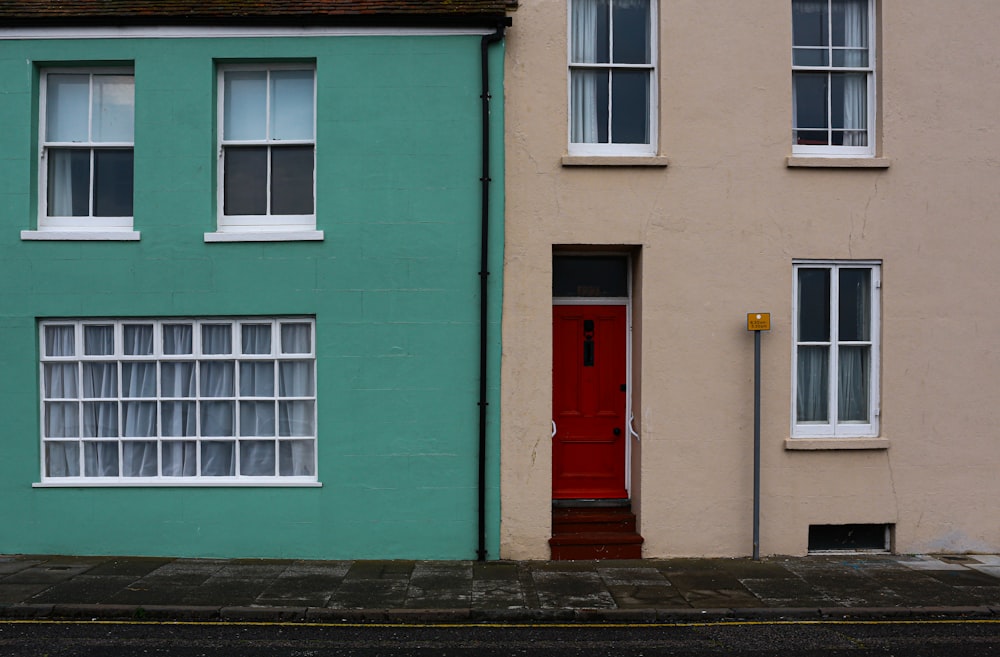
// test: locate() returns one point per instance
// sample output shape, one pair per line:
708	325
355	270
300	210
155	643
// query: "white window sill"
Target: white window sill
160	483
835	443
615	161
82	235
819	162
265	236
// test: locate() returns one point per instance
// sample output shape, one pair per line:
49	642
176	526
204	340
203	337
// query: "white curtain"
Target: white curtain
583	102
812	380
855	84
852	390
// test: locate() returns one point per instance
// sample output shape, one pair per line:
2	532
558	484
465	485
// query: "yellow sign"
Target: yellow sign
758	321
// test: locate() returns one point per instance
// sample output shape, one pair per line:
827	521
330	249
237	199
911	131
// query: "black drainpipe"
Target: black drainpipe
484	279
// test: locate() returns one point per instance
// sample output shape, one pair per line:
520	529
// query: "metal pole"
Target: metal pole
756	445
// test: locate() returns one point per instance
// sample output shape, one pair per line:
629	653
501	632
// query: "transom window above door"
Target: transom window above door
612	81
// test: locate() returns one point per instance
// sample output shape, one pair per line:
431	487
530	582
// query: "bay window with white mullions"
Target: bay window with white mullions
836	353
178	401
612	82
86	172
833	78
267	150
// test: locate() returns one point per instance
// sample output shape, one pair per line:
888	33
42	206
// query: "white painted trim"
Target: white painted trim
615	161
206	32
837	162
266	236
820	444
161	482
590	301
82	235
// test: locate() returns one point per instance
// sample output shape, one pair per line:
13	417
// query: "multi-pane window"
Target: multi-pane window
165	401
86	148
836	356
833	77
267	147
612	86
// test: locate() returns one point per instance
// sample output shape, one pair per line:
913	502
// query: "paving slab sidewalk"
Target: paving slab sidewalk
652	590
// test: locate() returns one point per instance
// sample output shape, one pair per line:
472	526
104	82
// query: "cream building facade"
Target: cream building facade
676	165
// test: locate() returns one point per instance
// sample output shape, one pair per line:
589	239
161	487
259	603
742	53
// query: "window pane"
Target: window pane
850	57
60	380
138	339
849	105
100	459
292	104
852	394
589	276
850	23
177	339
69	183
67	97
177	380
591	23
245	184
138	379
62	459
631	32
810	57
62	420
257	458
217	338
297	458
179	419
295	418
114	102
100	380
630	107
138	419
810	90
139	458
292	180
296	338
813	379
218	458
217	418
100	419
855	305
814	305
59	341
589	123
99	340
257	379
216	378
256	338
810	25
257	418
295	379
179	458
113	182
245	105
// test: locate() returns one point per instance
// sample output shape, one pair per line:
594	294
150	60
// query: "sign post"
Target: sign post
757	322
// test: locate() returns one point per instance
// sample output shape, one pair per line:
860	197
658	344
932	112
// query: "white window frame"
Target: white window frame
612	149
197	358
293	226
83	223
834	428
829	150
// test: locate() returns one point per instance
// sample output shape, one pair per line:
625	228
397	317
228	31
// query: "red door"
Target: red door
588	402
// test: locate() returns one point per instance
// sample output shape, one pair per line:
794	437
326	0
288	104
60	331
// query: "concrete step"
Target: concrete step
596	545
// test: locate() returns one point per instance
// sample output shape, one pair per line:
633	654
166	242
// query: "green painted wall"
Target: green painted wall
394	289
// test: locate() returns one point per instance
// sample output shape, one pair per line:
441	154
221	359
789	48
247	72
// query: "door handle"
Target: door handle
553	428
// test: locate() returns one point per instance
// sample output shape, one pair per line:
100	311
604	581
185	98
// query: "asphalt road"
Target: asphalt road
92	639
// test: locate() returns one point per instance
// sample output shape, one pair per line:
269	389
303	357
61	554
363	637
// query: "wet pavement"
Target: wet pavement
652	590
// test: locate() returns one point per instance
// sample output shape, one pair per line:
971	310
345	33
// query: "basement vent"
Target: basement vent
850	538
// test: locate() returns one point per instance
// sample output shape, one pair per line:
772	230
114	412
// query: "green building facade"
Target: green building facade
201	359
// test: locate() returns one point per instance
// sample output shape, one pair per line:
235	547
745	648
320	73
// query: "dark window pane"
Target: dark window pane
292	180
850	23
590	276
630	107
631	37
809	23
854	304
814	305
69	183
113	182
810	91
245	184
810	57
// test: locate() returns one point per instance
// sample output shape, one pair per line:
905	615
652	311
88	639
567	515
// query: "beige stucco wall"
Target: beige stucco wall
716	233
